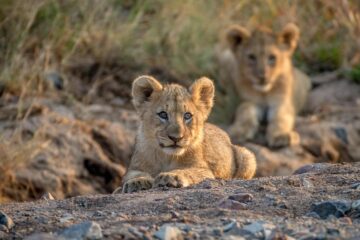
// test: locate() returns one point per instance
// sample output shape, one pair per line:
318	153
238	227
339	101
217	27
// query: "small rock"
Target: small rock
276	234
6	220
168	233
242	197
85	230
327	208
66	218
306	183
346	220
217	232
270	197
55	80
231	204
229	226
175	214
313	215
3	228
135	232
47	196
316	167
356	186
281	204
333	231
42	236
259	227
356	205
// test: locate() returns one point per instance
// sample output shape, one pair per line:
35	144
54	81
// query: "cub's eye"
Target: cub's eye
187	116
163	115
252	57
272	59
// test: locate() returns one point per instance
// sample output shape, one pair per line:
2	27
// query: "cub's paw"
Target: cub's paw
171	180
283	140
137	184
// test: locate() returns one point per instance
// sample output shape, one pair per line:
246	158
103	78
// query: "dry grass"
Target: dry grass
179	36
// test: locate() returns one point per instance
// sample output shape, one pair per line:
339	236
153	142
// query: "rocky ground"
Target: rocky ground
319	202
66	148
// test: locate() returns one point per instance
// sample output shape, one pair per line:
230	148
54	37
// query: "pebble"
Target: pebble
356	205
135	232
231	204
86	230
356	186
242	197
217	232
327	208
55	79
312	214
168	233
229	226
3	228
281	204
306	183
277	234
346	220
311	168
66	218
175	214
6	221
259	228
341	133
47	196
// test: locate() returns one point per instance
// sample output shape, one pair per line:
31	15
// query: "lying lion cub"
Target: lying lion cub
175	147
271	89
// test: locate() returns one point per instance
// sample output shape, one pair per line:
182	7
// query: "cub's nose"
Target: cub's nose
262	79
175	139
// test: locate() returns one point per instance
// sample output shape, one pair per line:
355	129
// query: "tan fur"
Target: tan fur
264	77
202	149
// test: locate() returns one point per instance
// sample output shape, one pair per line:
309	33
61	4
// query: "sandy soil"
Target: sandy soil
279	205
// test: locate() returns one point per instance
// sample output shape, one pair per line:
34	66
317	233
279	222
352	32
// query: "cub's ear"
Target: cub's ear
142	89
290	36
236	35
202	91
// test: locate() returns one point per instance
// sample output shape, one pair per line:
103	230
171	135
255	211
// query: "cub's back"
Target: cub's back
301	88
218	151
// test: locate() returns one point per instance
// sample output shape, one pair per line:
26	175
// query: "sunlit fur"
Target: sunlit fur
202	150
258	64
175	101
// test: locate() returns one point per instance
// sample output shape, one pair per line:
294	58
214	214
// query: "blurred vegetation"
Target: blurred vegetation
175	38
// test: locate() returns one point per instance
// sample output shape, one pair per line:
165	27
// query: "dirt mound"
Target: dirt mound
321	203
71	150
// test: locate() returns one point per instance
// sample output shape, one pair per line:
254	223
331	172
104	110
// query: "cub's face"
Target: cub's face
263	55
172	116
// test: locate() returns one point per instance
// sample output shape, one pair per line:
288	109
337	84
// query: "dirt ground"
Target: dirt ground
262	208
76	150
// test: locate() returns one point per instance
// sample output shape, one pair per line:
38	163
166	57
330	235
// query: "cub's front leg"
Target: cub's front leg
182	177
246	123
280	131
135	181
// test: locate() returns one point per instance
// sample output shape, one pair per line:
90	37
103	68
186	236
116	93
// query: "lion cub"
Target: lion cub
259	65
175	147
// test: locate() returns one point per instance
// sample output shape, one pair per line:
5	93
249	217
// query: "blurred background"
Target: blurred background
66	66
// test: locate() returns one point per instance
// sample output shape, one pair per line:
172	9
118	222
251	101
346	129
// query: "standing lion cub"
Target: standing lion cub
175	147
259	66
